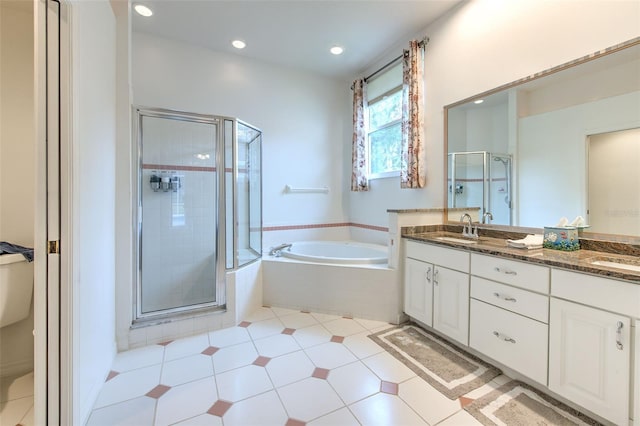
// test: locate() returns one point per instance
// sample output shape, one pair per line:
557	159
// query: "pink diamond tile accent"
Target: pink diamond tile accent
289	331
320	373
244	324
165	343
111	375
261	361
337	339
158	391
219	408
210	350
294	422
464	401
388	387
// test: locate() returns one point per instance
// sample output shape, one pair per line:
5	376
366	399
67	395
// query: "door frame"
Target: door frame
53	399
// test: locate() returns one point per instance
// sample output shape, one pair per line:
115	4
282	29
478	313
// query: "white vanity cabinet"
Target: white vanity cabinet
436	289
578	334
590	343
509	313
418	290
451	303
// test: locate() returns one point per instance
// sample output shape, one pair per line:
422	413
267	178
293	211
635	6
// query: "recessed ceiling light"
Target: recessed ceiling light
336	50
238	44
478	101
143	10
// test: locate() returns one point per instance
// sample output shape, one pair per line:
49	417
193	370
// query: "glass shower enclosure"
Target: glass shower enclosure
481	179
199	211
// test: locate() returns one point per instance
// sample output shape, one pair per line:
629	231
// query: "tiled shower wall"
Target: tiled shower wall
178	228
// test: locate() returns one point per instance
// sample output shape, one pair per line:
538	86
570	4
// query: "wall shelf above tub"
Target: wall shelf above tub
288	189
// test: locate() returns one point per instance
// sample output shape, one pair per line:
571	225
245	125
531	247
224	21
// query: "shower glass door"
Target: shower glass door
178	212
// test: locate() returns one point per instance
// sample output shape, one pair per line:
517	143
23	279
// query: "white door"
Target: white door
418	290
614	178
451	303
589	358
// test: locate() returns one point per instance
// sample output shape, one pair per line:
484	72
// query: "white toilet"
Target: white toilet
16	288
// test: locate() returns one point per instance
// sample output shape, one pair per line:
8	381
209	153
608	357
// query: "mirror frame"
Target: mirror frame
515	83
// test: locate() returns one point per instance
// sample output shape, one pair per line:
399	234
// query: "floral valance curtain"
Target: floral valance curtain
359	181
412	172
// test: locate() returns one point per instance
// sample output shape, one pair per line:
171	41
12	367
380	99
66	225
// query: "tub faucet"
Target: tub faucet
468	230
275	251
484	217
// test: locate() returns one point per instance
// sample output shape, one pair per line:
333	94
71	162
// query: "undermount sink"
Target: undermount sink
619	265
456	240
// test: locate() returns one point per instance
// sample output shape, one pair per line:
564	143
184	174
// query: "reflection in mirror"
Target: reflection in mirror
614	182
527	153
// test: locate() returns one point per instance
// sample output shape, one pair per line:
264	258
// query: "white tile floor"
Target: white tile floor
279	367
16	400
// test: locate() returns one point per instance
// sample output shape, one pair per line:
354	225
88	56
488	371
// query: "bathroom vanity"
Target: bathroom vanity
564	322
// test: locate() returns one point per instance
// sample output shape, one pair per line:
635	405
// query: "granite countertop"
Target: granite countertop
580	260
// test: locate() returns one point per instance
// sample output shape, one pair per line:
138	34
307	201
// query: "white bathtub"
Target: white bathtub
337	252
333	282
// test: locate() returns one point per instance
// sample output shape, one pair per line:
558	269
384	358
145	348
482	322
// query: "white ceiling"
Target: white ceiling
295	33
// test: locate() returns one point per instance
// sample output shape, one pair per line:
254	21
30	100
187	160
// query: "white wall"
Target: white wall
93	198
17	161
483	44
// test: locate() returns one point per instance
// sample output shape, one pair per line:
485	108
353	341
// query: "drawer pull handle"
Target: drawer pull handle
435	276
501	337
428	275
619	344
505	271
505	298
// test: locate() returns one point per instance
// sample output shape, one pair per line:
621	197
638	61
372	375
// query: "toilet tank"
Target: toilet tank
16	288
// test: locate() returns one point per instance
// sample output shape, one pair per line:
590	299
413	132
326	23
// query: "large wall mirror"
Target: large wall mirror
561	143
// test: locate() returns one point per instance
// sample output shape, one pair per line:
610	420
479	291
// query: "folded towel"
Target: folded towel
578	222
531	241
9	248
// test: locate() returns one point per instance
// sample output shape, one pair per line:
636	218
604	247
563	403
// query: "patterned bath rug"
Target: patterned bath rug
516	403
447	368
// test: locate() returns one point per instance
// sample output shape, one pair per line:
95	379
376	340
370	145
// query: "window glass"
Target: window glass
385	134
384	150
385	110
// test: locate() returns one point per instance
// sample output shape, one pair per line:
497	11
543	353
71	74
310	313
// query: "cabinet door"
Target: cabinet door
418	290
451	303
589	358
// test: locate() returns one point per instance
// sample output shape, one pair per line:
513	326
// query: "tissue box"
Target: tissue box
561	238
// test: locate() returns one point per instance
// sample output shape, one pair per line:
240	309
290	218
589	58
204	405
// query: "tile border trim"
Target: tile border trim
325	225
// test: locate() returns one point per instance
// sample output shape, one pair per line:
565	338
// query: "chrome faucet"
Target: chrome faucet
484	217
468	230
276	251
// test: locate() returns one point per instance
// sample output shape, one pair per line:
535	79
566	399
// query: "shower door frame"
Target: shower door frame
487	158
220	220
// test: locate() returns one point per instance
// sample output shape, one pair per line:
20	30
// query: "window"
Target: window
384	131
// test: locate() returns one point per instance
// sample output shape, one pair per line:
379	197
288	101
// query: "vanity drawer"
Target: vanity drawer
523	302
604	293
511	339
518	274
449	258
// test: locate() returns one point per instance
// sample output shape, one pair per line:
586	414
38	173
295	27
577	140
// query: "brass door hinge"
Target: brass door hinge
54	247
